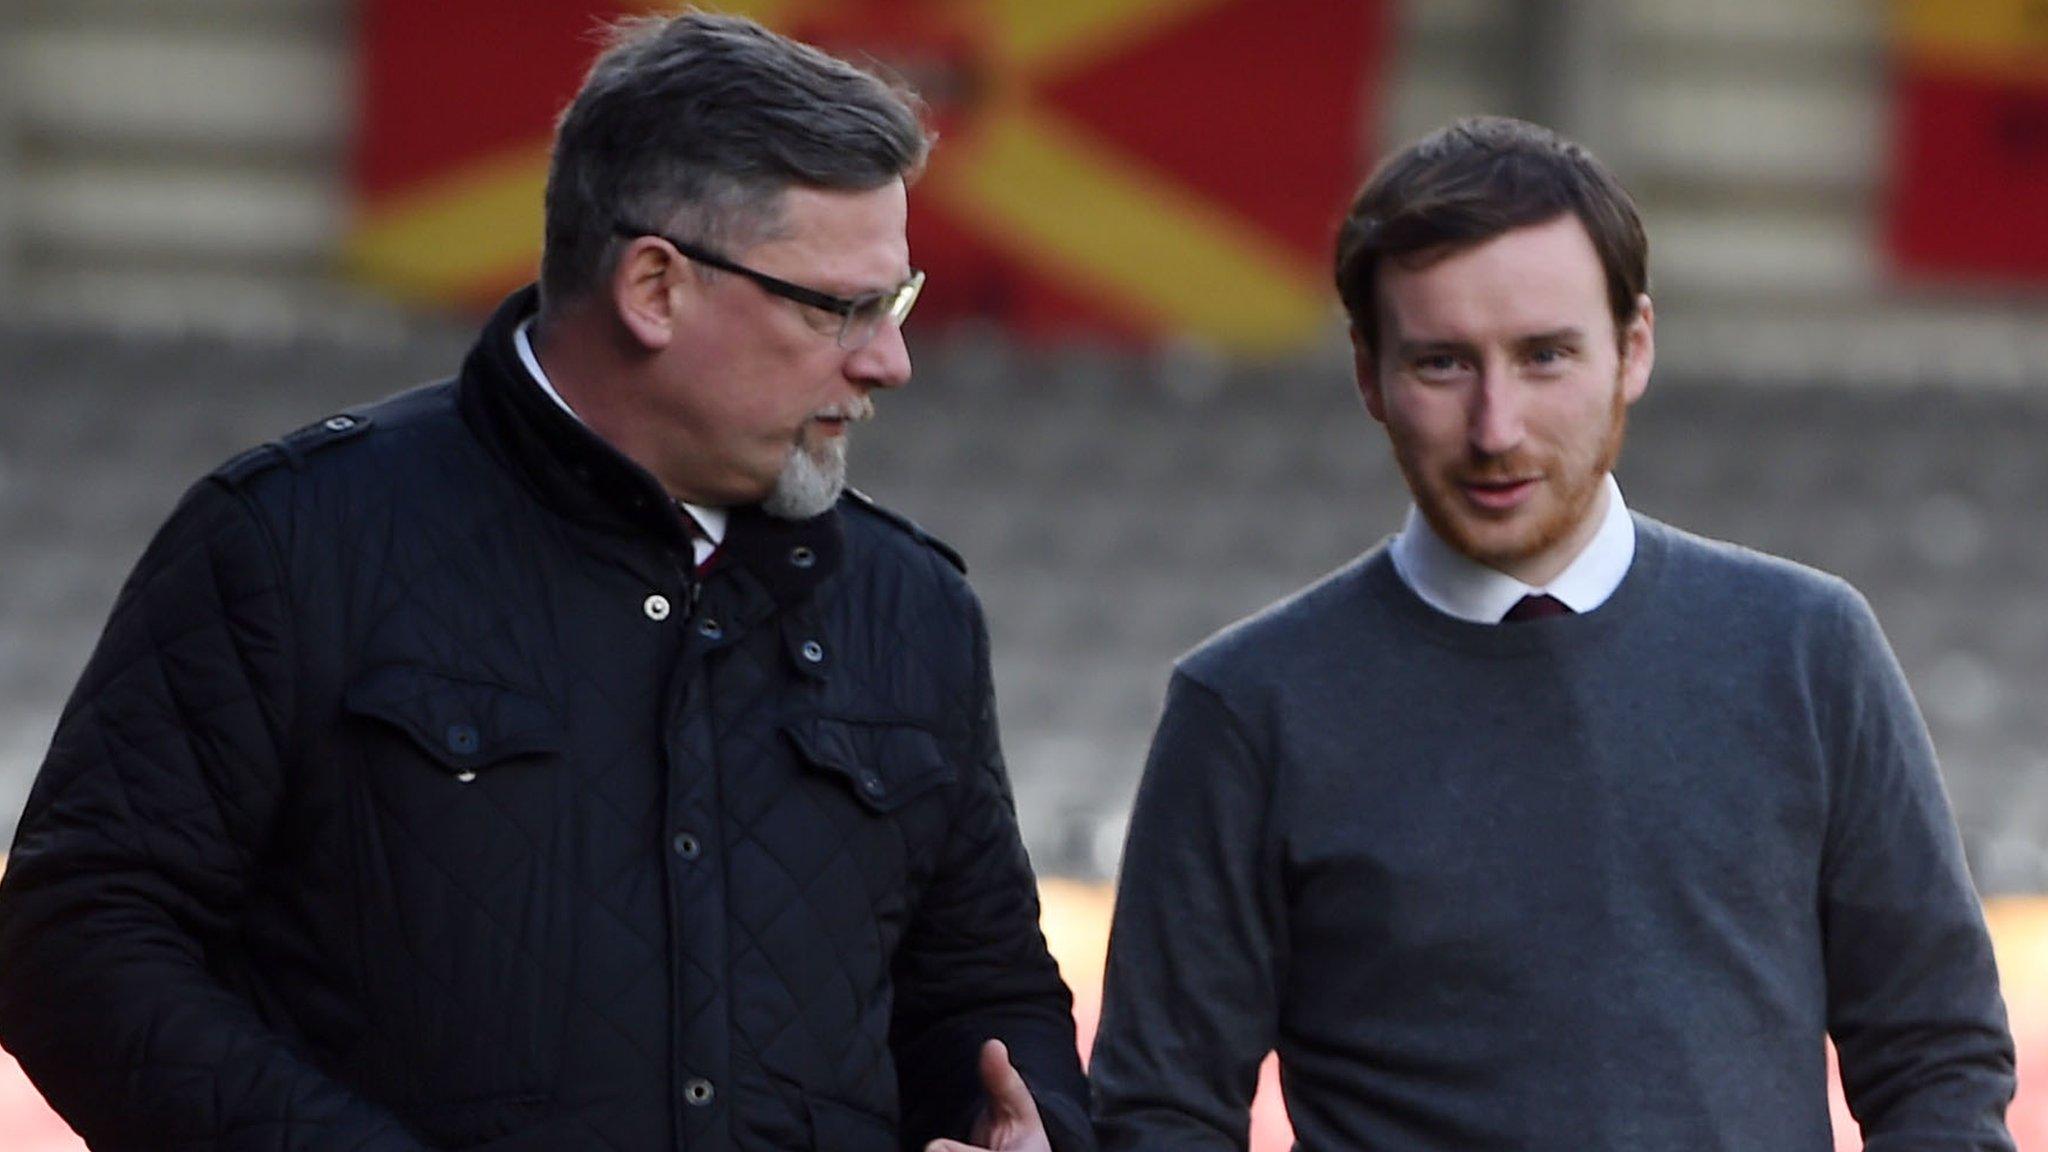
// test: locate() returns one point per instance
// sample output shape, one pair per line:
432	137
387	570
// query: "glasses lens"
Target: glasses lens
865	318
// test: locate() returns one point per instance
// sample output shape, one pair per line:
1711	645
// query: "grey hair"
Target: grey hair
696	124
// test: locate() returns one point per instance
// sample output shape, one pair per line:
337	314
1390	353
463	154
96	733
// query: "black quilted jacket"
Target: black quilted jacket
419	796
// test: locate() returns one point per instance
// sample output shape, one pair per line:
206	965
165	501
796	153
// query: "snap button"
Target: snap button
698	1092
871	784
710	629
802	557
462	739
465	776
687	846
813	651
656	607
338	423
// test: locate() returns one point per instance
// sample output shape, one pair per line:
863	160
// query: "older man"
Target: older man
554	757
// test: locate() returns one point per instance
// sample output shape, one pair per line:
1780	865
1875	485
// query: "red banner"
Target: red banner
1969	183
1130	167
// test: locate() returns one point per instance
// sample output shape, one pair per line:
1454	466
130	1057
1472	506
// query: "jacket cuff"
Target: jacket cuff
1066	1123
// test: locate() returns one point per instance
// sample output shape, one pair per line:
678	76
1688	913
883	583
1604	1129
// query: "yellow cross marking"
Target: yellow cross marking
1038	186
1042	36
1992	39
478	225
1057	198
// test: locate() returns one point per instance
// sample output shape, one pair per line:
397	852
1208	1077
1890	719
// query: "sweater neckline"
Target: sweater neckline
1532	637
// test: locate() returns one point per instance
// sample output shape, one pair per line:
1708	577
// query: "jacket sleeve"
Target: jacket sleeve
136	851
1913	1000
1197	952
974	966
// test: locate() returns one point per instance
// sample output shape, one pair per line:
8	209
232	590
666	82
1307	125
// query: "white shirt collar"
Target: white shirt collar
712	520
1457	585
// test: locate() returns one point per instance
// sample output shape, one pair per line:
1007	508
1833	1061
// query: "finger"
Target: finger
1009	1097
950	1146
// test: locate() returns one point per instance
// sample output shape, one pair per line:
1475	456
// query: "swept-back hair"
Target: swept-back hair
696	124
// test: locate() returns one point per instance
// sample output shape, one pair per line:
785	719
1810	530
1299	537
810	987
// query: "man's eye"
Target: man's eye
823	319
863	309
1439	365
1555	357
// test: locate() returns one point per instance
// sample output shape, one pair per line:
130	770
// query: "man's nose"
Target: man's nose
1495	424
885	360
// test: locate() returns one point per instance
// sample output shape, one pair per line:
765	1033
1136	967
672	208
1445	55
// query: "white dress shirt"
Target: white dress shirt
711	520
1457	585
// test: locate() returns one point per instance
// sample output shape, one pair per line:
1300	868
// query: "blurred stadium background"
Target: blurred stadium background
221	219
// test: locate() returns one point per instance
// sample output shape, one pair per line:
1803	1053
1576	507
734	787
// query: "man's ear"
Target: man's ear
644	291
1367	367
1638	350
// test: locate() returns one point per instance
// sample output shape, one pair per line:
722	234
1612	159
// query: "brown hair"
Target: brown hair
1472	181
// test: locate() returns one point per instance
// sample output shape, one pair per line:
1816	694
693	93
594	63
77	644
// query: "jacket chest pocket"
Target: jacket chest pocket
884	783
460	727
885	766
455	791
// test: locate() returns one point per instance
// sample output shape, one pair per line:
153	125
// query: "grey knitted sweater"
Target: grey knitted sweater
1598	882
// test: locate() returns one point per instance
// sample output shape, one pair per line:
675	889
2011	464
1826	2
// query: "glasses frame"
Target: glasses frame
893	304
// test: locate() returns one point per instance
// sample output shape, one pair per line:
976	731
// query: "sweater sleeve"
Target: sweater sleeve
1197	948
136	851
1913	1000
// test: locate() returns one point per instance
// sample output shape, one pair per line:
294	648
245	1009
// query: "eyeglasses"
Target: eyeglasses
860	317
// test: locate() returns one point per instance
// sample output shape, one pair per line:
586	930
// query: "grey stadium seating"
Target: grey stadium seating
1116	508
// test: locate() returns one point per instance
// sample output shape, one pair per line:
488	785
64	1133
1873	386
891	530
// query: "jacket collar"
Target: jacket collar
577	474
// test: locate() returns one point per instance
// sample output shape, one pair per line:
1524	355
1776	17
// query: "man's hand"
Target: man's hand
1010	1122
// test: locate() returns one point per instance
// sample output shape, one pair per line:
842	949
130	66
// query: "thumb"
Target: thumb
1009	1097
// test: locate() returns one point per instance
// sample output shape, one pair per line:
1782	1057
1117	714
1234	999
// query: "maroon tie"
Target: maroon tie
1535	608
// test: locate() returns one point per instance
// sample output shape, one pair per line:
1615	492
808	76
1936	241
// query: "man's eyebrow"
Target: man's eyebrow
1565	335
843	291
1408	348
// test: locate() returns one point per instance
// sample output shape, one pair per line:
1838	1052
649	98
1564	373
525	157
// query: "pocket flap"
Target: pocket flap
463	724
887	765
